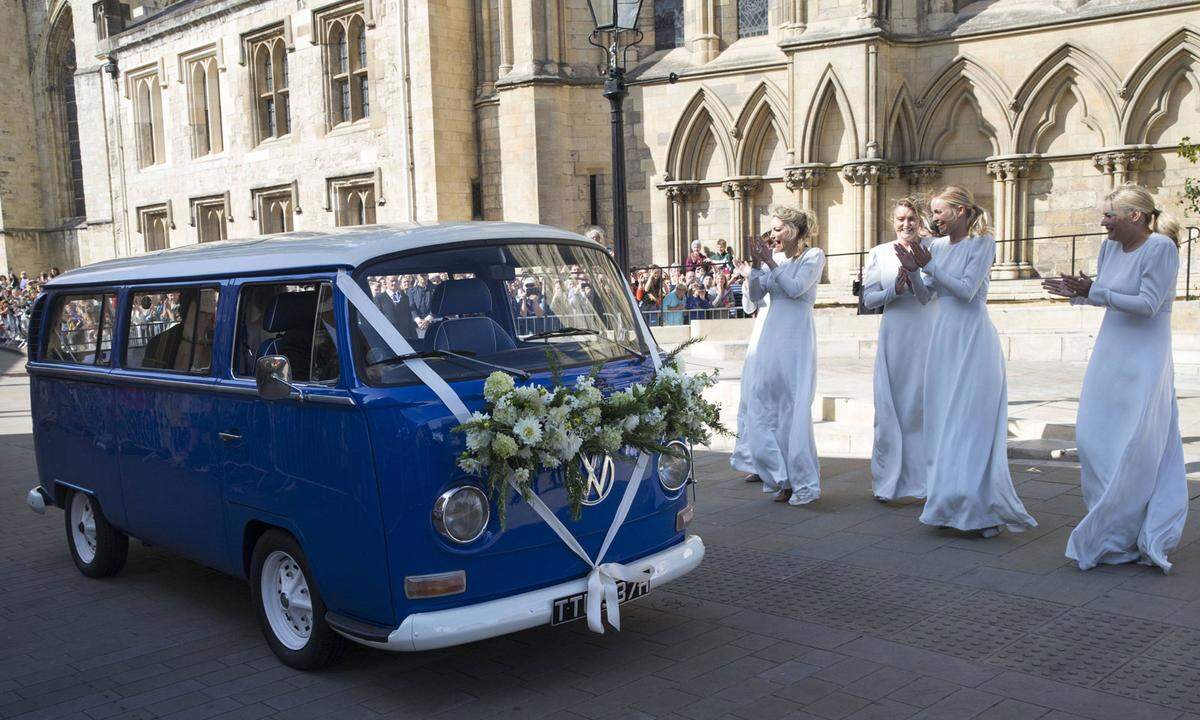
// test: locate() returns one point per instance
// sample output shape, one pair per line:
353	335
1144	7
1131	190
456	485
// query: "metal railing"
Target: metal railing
1187	247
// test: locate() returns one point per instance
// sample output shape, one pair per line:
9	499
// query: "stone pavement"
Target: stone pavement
844	609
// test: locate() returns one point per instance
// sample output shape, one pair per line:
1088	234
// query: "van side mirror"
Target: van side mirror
273	376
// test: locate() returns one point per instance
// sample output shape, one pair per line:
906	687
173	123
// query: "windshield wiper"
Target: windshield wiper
568	330
562	331
463	358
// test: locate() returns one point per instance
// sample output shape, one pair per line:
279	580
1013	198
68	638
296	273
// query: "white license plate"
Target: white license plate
573	607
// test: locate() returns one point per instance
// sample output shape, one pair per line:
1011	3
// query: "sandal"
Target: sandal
752	478
783	495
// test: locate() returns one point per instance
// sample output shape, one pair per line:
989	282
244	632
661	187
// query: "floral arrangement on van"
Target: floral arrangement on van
526	430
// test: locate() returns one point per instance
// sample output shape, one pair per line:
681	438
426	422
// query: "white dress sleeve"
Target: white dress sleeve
1155	286
876	293
1077	300
796	277
979	265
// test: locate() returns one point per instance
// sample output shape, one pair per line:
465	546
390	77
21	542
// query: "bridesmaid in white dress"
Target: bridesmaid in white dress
778	433
741	459
1130	450
898	455
968	485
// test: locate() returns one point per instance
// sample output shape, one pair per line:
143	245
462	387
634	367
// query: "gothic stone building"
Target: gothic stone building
131	126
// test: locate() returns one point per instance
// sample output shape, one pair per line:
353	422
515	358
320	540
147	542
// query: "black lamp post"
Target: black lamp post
616	31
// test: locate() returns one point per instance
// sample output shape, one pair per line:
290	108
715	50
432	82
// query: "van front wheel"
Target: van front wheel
98	548
289	607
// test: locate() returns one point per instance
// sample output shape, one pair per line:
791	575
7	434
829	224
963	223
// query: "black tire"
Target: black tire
112	546
322	646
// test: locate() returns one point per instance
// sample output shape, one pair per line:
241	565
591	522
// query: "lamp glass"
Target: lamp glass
615	14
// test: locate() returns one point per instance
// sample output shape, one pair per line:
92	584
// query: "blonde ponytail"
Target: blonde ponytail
1135	197
978	220
802	220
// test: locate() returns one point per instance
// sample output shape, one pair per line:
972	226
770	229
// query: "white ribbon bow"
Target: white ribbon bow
602	580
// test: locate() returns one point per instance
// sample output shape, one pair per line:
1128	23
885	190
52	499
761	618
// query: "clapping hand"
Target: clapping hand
908	260
1079	284
902	281
1068	286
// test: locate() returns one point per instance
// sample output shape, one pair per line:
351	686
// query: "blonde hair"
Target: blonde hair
978	221
803	221
1135	197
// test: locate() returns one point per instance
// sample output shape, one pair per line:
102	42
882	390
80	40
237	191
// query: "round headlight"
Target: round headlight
675	470
461	514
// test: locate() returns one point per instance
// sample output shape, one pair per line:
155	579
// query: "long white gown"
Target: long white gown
741	459
1130	451
898	454
968	485
777	434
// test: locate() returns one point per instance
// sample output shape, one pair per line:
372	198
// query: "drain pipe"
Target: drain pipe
410	174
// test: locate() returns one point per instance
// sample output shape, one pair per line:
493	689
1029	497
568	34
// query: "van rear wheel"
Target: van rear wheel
98	548
289	607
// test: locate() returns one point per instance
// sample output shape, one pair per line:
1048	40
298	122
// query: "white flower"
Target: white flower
631	423
521	475
470	465
504	412
504	446
591	416
528	430
478	439
569	445
529	395
549	460
610	438
556	416
496	385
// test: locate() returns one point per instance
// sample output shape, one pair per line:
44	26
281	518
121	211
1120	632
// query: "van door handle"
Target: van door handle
229	437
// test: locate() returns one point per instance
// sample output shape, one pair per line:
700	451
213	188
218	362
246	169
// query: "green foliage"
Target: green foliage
528	430
1191	186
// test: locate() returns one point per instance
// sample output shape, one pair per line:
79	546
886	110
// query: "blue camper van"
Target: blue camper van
282	409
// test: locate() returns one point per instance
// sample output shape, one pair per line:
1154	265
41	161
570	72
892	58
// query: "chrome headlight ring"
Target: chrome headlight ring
674	472
461	514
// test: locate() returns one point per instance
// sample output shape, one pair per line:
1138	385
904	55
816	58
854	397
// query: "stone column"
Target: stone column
506	39
921	177
1120	166
700	30
793	20
740	191
802	180
1010	186
678	223
866	177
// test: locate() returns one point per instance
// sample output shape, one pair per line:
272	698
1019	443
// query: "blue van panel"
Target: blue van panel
74	438
416	450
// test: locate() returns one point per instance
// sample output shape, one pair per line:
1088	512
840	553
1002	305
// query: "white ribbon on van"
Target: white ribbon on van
602	580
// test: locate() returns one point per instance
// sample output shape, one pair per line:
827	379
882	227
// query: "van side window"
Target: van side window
172	330
81	329
295	320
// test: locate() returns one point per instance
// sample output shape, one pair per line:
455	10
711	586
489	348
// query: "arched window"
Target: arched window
346	65
60	67
354	200
270	81
148	119
204	105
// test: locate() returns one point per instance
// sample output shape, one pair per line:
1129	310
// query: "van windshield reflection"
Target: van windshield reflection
521	307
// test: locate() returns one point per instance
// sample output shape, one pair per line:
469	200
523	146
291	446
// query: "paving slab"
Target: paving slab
844	609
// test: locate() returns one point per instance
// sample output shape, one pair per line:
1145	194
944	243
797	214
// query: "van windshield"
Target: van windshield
513	305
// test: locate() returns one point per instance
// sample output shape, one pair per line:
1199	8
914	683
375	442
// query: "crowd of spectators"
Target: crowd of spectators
17	293
707	285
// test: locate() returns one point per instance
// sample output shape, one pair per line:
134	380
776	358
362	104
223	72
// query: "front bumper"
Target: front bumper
444	628
37	500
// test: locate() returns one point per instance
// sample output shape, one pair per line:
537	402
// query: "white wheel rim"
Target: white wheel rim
83	528
286	600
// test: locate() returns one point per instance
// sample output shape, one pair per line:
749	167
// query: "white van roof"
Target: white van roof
298	251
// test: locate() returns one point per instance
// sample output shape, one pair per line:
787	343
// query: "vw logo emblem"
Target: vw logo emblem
601	475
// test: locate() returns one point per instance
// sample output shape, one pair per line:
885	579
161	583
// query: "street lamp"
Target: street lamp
616	31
